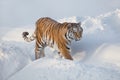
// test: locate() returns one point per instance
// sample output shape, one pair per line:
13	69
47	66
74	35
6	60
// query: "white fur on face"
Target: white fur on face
75	29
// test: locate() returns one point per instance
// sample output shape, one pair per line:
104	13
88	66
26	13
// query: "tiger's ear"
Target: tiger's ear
79	23
69	25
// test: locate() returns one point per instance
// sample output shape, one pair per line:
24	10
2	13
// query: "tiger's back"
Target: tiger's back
50	32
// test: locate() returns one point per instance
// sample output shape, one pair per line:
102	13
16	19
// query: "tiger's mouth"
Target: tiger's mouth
77	39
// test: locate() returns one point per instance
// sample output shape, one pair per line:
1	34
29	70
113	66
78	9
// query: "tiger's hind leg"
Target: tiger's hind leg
39	51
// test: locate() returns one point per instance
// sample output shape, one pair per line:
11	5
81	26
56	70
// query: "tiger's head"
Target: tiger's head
74	31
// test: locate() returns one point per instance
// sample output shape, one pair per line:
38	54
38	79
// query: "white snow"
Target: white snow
96	56
53	69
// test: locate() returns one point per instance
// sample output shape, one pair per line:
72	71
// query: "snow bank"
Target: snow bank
106	54
53	69
13	57
101	39
96	56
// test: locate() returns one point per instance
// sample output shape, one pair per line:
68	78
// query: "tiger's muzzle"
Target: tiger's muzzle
78	39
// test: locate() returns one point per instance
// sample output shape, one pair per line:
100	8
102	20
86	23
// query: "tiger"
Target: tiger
54	34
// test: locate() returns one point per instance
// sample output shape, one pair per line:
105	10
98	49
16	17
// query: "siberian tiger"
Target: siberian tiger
57	35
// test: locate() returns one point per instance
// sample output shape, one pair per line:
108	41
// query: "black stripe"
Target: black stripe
68	48
66	35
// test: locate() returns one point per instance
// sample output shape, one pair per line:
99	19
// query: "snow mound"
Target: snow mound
53	69
13	57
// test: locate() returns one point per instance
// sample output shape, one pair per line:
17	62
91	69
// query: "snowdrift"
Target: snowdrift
53	69
13	57
96	56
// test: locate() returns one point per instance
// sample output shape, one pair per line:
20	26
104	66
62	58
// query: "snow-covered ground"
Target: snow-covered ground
96	56
55	69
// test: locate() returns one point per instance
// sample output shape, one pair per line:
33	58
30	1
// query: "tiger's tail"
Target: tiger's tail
28	39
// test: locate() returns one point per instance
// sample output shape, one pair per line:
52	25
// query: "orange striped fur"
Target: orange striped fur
51	33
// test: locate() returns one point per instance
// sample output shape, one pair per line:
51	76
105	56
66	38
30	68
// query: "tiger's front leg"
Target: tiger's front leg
39	51
66	54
